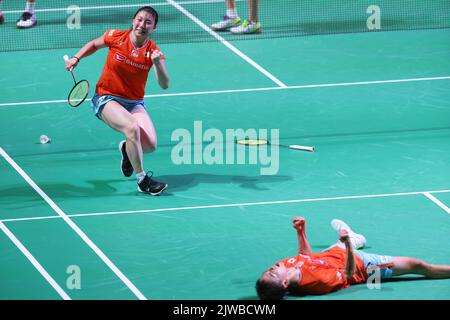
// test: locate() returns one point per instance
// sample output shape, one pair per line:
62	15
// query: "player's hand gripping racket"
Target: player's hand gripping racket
79	91
260	142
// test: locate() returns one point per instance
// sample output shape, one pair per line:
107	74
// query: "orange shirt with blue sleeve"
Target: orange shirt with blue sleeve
324	272
126	69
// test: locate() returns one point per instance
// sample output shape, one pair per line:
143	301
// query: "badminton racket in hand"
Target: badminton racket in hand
79	91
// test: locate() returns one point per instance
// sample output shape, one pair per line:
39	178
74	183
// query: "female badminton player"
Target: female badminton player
119	94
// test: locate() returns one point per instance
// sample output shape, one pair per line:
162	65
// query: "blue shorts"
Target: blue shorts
99	102
373	262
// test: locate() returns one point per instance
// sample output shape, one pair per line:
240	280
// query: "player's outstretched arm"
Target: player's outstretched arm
88	49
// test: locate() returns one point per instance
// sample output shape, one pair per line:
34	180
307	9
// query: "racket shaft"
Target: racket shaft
73	77
303	148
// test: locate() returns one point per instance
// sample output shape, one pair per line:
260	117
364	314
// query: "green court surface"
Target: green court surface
375	105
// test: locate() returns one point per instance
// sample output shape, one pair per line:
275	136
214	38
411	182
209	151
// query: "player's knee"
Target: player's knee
149	144
418	265
132	131
154	144
149	147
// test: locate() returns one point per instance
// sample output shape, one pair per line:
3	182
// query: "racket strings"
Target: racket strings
79	93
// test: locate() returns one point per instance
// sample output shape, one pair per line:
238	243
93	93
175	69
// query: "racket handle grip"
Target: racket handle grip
66	58
303	148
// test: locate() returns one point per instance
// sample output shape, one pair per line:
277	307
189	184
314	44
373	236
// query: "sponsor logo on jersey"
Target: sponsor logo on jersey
119	57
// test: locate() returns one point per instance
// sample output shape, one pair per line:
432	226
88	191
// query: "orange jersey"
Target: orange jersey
324	272
126	69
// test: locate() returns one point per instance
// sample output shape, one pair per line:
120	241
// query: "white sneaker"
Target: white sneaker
358	240
247	27
27	20
226	23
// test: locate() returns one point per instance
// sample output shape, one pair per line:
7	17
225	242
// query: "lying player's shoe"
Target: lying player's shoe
226	23
153	187
247	27
27	20
125	164
2	19
358	240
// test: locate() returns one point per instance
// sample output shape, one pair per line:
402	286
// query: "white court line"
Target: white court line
35	263
83	236
439	203
227	44
307	86
243	204
69	215
120	6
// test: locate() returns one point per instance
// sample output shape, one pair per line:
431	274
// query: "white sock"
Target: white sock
140	176
29	7
232	13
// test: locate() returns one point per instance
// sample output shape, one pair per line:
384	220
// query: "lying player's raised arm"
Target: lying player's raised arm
350	265
299	224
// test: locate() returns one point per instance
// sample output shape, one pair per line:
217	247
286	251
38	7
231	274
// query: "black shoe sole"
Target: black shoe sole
154	193
123	172
121	163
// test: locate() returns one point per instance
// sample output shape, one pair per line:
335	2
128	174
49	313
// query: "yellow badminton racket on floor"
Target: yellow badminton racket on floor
262	142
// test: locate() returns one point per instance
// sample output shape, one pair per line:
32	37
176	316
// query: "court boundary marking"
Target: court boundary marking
437	201
306	86
74	227
427	194
121	6
34	262
177	6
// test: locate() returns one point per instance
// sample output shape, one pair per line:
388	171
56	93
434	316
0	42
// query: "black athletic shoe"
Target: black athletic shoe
153	187
125	165
26	20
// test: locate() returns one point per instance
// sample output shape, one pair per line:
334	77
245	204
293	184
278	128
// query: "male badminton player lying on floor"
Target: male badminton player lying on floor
337	267
120	91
